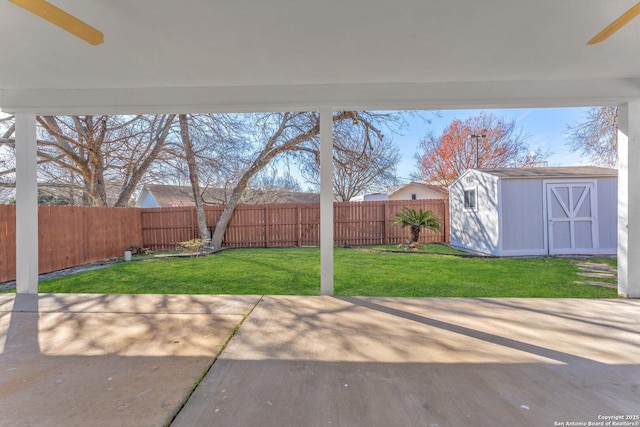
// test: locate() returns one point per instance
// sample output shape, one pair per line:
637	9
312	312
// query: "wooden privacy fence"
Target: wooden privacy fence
70	236
289	225
74	235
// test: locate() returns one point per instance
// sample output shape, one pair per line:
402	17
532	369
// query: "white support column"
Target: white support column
26	205
326	201
629	199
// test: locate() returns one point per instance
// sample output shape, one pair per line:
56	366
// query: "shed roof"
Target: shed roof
551	172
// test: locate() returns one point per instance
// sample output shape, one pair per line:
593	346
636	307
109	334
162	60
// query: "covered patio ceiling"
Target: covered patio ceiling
247	55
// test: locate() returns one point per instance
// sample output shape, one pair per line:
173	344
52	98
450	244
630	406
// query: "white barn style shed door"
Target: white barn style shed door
573	224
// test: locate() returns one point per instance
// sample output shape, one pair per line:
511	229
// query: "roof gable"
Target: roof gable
422	185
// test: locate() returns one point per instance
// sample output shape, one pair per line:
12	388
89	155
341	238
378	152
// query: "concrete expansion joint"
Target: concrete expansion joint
233	333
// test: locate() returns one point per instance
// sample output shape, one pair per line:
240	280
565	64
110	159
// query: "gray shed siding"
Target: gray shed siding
475	230
608	215
523	217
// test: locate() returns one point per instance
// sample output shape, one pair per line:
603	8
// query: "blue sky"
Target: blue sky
546	129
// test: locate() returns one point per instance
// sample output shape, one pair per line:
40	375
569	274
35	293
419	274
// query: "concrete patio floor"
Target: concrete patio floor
108	360
133	360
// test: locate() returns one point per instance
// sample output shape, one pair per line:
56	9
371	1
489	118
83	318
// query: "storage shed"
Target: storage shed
535	211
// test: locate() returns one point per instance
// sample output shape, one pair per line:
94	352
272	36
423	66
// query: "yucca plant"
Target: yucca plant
417	220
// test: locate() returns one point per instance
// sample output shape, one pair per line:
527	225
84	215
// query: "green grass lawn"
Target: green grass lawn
296	271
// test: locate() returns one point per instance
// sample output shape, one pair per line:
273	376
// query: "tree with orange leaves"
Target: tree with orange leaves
483	141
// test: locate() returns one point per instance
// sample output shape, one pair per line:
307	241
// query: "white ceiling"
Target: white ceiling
249	55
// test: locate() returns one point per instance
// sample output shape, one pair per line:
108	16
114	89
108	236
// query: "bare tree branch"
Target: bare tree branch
596	137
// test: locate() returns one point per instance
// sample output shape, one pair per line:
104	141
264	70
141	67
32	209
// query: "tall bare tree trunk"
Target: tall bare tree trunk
270	150
193	176
230	207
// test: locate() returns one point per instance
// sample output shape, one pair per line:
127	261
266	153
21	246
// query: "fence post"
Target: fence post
446	220
299	225
385	223
85	234
267	229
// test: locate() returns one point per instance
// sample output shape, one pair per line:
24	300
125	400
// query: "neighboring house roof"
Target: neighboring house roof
75	195
423	185
280	196
178	195
167	196
551	172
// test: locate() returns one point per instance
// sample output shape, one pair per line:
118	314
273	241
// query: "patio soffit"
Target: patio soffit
250	55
